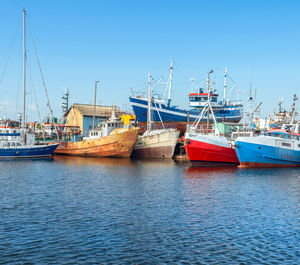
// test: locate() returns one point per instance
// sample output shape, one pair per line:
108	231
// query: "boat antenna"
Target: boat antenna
96	82
225	84
208	98
295	99
65	104
24	68
149	102
170	81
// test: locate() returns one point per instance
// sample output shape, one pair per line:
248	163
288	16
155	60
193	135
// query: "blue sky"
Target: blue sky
120	42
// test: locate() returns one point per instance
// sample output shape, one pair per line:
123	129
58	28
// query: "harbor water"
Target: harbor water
72	210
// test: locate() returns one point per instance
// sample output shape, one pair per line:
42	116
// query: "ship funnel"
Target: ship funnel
113	113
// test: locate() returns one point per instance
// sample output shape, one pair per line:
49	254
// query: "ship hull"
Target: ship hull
264	151
118	144
161	112
28	152
156	144
209	150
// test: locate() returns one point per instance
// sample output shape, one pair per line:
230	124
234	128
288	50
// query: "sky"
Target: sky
120	42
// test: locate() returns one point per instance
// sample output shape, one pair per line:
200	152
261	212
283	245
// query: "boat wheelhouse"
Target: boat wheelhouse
197	100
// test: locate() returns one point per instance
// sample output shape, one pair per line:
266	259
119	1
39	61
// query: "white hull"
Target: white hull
156	143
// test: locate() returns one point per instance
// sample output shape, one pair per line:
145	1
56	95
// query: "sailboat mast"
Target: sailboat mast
24	68
170	82
149	104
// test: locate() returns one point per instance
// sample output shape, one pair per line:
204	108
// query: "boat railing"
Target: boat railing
157	126
138	94
233	103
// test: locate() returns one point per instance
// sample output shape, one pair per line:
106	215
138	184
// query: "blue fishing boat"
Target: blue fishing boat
276	148
163	111
14	144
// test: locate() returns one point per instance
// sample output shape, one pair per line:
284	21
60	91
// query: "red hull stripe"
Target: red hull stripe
212	163
265	165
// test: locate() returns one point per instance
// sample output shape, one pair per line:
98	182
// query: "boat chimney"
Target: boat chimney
113	112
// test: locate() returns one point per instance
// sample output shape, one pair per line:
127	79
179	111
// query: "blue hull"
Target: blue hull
28	152
161	112
258	155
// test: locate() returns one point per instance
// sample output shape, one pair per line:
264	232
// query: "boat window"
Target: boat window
286	144
12	144
18	144
108	125
112	125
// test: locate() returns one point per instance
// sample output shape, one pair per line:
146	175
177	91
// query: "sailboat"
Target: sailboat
19	143
210	148
158	143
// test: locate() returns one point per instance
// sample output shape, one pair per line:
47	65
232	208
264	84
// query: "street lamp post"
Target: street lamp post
96	82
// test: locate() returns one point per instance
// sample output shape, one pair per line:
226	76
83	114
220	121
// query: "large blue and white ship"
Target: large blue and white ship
163	111
276	148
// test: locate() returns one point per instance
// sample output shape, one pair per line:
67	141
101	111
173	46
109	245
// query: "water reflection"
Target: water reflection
204	172
28	159
92	161
154	161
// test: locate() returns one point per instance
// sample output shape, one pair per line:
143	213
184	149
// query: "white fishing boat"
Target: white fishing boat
158	143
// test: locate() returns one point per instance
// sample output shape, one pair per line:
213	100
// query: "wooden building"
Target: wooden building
82	115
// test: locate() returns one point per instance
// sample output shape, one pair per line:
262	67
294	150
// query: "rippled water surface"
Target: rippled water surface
119	211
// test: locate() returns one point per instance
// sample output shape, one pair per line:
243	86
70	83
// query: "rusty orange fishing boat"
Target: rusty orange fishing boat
109	139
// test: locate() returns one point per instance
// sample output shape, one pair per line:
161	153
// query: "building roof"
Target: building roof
88	110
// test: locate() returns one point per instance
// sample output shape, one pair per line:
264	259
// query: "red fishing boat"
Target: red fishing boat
206	148
210	150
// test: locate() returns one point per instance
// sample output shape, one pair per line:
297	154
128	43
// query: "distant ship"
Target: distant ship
163	111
